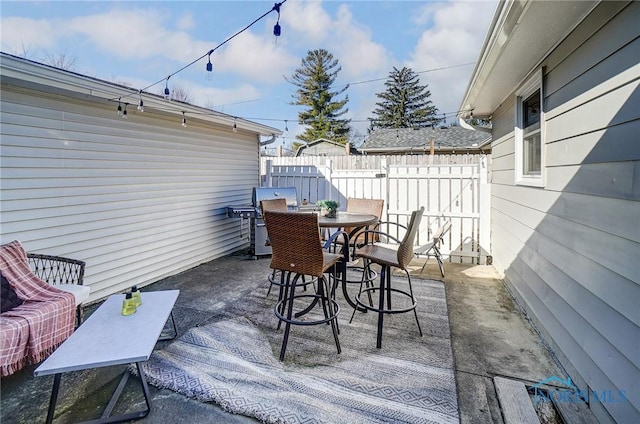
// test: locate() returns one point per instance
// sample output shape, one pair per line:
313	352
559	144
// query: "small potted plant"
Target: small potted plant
328	208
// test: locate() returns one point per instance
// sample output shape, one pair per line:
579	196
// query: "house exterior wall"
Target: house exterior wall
570	251
137	199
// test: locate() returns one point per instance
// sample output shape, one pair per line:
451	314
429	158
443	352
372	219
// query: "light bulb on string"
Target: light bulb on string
209	67
184	120
235	127
119	107
141	103
276	27
286	128
167	93
124	112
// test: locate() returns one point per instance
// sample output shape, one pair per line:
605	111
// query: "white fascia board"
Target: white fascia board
514	19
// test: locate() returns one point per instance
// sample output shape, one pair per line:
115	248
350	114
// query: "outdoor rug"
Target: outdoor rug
233	361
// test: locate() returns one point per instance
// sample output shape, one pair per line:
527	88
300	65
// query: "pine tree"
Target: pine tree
405	103
314	80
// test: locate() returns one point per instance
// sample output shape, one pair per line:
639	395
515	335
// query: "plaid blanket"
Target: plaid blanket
33	330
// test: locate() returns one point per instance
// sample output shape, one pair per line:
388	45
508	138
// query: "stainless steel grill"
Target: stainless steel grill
253	214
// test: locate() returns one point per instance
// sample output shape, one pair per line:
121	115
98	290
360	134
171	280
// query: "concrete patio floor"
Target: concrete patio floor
490	337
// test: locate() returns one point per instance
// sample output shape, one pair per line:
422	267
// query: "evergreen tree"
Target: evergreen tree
405	103
314	80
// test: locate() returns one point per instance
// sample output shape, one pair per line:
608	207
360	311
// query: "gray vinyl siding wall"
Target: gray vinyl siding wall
571	251
137	199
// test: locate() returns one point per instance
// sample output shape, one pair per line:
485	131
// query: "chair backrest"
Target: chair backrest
56	269
294	242
439	234
370	206
405	250
274	205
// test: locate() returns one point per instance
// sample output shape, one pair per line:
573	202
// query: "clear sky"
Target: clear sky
138	43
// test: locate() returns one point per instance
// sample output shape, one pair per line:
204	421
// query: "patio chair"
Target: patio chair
357	237
388	257
272	205
63	273
296	252
433	248
369	206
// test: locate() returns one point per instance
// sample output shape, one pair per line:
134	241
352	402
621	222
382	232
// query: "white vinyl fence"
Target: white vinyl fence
456	191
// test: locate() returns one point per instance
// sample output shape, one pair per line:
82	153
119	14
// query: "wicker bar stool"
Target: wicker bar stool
357	237
273	205
296	252
389	257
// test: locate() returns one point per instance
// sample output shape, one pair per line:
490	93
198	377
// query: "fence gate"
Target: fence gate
458	192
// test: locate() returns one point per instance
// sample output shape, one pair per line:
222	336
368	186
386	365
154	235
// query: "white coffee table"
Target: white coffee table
108	338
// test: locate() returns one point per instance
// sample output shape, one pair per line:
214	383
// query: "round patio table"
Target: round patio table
353	220
347	220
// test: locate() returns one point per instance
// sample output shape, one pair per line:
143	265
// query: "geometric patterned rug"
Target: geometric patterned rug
233	361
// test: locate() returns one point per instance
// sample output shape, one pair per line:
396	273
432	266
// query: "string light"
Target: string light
209	66
276	27
119	107
286	127
141	104
184	120
124	112
276	7
167	93
235	127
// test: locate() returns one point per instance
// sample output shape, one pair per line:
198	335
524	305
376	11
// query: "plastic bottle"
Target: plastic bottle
128	305
137	296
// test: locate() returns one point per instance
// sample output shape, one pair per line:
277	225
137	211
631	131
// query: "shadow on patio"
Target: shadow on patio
489	335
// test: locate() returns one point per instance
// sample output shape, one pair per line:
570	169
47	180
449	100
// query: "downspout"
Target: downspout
269	141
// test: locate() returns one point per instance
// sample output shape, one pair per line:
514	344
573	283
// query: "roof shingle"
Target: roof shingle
407	139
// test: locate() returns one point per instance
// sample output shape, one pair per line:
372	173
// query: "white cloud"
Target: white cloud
186	22
258	57
458	31
359	55
136	34
22	35
207	96
307	19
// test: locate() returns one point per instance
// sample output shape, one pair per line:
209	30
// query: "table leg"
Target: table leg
175	330
54	398
106	418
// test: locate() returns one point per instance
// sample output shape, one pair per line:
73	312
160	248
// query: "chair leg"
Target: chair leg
282	295
326	305
287	326
440	260
366	277
79	315
413	299
385	273
331	282
271	279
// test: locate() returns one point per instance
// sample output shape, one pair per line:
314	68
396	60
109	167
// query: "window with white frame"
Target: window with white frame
529	133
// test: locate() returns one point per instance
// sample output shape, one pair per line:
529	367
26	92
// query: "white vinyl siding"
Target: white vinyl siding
570	250
137	199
